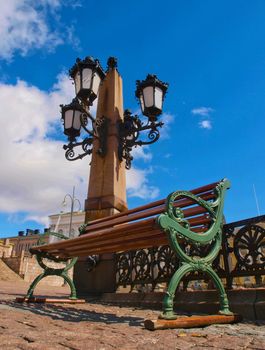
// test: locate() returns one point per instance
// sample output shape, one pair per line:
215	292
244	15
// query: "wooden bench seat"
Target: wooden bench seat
133	229
195	216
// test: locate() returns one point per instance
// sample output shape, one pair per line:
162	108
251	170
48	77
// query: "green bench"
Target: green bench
194	217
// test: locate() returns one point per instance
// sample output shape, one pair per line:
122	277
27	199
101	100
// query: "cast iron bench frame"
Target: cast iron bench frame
195	217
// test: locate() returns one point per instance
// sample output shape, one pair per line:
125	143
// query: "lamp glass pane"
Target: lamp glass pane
96	82
77	122
77	83
142	102
130	137
86	77
133	135
68	119
148	93
158	97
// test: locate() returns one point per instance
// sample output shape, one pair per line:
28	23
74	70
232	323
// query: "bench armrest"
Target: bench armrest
173	219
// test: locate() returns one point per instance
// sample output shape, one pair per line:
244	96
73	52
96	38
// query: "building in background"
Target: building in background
61	223
14	246
14	251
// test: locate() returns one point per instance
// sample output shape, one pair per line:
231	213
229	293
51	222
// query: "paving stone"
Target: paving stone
93	326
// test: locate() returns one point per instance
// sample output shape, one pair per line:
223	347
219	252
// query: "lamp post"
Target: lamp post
109	138
73	200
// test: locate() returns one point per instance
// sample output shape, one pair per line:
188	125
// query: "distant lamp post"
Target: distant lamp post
88	75
73	200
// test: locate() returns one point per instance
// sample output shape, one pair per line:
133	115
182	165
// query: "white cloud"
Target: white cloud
205	124
41	219
142	153
137	184
35	176
167	119
29	24
203	111
168	155
205	114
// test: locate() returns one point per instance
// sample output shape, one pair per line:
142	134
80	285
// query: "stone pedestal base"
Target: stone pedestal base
100	280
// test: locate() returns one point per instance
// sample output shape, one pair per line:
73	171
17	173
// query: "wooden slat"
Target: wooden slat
136	236
146	243
133	229
120	239
108	241
131	243
144	214
200	220
96	235
144	226
153	240
112	246
197	191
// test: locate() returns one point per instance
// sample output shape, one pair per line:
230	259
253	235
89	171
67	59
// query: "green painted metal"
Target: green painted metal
178	229
50	271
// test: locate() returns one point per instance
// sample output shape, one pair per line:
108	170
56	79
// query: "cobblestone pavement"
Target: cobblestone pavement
93	326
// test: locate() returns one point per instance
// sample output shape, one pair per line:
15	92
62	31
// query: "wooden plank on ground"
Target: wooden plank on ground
191	322
44	300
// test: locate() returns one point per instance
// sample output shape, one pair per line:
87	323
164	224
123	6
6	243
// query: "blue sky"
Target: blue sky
212	54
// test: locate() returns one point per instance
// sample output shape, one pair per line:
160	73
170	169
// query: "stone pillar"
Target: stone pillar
107	184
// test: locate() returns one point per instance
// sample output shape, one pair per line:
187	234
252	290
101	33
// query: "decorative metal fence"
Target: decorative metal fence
242	256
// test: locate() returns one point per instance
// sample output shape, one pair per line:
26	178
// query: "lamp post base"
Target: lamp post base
101	279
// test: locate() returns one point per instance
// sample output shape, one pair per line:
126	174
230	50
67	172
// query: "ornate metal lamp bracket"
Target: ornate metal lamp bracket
129	132
99	131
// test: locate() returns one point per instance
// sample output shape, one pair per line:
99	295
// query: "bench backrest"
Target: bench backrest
155	208
133	229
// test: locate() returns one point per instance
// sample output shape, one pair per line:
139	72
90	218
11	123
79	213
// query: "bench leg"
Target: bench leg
168	301
71	285
53	271
224	305
34	284
64	275
189	264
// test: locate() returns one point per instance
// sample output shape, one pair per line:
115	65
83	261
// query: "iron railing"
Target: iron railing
241	260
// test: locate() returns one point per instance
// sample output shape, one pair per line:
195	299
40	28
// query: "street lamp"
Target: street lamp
151	93
87	75
71	115
73	200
